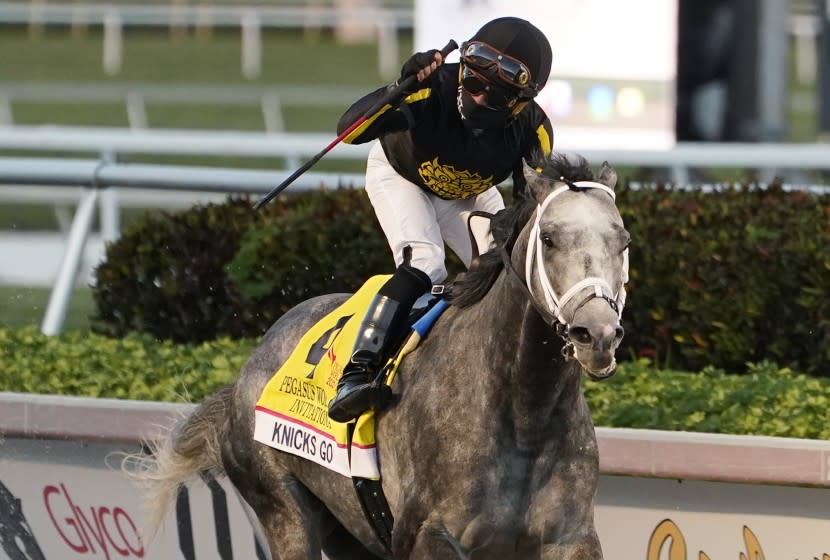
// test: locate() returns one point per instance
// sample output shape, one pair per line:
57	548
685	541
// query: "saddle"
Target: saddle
292	412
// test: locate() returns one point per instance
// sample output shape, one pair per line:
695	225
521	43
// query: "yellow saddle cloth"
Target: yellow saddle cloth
292	412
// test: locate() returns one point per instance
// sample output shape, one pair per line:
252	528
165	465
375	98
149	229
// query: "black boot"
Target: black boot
356	390
381	330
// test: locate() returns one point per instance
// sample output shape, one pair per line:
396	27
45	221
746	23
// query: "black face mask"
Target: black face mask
477	116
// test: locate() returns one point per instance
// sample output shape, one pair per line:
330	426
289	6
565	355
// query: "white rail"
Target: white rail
294	148
291	147
97	175
623	451
272	100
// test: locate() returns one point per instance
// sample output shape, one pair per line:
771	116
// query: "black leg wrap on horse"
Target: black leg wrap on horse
361	386
376	509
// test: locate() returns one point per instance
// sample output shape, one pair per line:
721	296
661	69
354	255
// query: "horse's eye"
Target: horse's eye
547	240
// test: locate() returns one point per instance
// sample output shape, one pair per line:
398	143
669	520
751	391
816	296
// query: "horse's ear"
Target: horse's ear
537	184
607	175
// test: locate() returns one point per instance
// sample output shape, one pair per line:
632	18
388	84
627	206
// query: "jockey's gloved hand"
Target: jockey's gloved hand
416	63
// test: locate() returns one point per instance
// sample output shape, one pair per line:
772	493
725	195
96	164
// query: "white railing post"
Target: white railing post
679	174
110	214
204	21
251	44
804	29
772	62
108	208
80	20
6	114
113	43
272	112
387	46
136	110
71	263
36	17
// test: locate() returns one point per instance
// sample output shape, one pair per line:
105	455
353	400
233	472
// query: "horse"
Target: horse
489	451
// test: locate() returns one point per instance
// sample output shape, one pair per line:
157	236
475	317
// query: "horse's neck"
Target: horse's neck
531	382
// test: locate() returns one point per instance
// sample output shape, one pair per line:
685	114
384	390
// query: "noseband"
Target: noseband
555	303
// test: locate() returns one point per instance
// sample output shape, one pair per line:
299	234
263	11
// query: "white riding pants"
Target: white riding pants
411	216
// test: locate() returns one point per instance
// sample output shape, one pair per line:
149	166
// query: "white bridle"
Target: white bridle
556	303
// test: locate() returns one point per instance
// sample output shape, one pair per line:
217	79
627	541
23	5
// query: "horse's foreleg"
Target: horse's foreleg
290	520
587	548
434	543
339	544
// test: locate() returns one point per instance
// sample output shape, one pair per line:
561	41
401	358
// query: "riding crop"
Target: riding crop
388	98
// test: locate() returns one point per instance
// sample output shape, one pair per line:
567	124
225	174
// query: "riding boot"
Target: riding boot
382	328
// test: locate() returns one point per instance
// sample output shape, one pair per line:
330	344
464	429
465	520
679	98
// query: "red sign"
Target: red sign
92	529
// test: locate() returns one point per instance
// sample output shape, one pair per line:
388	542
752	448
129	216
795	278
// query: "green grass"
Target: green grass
39	217
26	305
27	217
288	57
155	57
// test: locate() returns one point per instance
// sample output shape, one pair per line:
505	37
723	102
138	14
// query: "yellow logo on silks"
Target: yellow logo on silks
292	412
447	182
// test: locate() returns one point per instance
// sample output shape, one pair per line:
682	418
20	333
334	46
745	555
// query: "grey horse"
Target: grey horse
489	451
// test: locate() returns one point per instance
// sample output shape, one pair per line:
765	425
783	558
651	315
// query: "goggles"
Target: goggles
484	57
498	97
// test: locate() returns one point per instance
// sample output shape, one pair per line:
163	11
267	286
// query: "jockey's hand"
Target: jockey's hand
421	65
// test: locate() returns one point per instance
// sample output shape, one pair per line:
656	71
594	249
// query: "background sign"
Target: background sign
68	500
612	82
660	519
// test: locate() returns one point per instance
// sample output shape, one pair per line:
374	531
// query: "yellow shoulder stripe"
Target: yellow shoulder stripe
419	95
366	124
544	139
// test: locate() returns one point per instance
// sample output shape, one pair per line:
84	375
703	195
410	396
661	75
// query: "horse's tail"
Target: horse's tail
189	448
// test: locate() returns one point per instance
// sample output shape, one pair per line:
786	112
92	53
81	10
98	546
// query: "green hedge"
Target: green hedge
166	276
134	367
329	242
721	278
228	270
766	401
729	277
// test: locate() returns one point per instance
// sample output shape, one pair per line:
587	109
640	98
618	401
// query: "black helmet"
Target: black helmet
518	39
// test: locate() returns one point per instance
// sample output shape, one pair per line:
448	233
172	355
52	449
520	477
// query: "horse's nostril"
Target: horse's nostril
580	334
619	332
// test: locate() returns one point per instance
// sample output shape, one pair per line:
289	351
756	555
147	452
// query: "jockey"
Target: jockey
460	130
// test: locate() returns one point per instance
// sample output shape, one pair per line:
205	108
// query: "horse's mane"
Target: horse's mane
506	225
